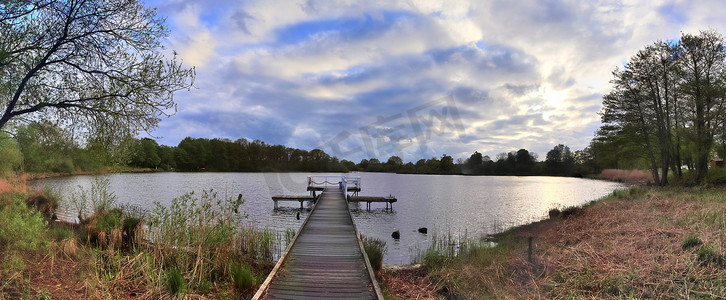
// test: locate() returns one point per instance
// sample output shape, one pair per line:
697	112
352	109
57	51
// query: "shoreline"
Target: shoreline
642	242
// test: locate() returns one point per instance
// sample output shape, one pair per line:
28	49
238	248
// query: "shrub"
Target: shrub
11	155
99	196
571	211
175	283
242	278
708	254
109	221
60	233
554	213
691	241
21	227
375	249
434	259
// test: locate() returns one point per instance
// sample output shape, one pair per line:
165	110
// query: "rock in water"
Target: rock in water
396	234
423	230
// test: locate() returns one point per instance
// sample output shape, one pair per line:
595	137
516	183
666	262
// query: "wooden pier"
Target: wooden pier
300	199
369	199
325	259
349	184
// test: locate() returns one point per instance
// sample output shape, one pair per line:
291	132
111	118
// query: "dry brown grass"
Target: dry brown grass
627	176
626	247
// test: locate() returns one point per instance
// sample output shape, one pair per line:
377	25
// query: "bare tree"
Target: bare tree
87	64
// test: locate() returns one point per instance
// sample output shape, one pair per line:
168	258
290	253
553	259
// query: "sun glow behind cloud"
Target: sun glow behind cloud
524	74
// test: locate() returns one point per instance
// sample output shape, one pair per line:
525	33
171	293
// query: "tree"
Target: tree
703	59
473	164
667	91
11	155
524	161
86	63
560	160
446	164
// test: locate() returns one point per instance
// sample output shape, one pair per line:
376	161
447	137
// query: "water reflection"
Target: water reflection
456	205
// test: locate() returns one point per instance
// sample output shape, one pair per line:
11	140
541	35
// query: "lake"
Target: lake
445	204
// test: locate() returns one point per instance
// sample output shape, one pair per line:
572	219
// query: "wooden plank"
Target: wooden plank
371	199
292	198
325	259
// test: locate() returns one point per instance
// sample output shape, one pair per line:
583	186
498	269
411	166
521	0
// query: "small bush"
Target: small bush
691	241
570	212
708	254
45	201
375	249
44	295
11	155
22	228
14	263
60	233
554	213
242	278
434	259
175	283
108	222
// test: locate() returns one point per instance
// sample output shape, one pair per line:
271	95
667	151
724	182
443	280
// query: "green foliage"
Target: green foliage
691	241
11	155
707	254
99	196
434	259
13	263
108	221
60	233
21	227
375	250
242	277
44	295
175	282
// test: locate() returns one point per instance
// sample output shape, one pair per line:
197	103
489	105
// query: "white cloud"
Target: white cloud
533	69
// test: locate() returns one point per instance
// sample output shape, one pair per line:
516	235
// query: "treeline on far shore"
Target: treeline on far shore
44	148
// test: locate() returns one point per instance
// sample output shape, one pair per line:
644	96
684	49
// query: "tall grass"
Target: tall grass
375	250
205	237
21	228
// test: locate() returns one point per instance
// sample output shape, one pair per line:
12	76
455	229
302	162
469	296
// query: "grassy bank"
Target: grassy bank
638	243
198	245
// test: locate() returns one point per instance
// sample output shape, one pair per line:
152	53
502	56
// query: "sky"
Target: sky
417	79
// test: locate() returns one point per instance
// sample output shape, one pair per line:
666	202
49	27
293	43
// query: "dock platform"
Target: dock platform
325	259
370	199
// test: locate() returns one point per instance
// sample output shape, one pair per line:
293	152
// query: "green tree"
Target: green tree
446	164
703	59
524	161
90	63
560	160
11	155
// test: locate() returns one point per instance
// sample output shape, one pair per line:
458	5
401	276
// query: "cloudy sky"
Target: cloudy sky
412	78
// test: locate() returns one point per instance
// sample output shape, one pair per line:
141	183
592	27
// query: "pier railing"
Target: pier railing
334	181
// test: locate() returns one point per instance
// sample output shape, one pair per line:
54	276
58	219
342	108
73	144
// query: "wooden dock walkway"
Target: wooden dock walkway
325	259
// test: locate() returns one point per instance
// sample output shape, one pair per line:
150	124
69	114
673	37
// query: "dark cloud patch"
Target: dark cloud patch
519	122
494	58
520	89
344	28
240	19
470	96
559	79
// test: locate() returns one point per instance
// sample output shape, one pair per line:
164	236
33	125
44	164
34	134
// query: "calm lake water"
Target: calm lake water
459	205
